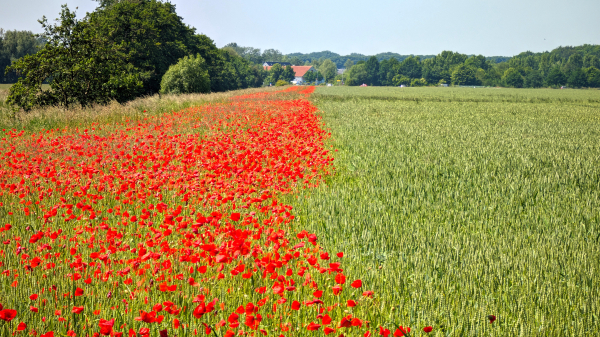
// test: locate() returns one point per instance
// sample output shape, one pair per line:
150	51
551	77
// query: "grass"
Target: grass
455	204
138	109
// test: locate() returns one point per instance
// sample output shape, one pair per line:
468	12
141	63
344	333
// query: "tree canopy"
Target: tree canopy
118	52
80	66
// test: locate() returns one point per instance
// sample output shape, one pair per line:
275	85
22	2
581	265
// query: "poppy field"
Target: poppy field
173	225
343	212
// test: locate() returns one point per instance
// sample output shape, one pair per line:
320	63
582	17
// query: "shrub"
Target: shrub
281	83
189	75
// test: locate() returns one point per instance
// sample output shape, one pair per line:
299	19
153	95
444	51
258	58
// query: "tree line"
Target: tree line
119	51
565	66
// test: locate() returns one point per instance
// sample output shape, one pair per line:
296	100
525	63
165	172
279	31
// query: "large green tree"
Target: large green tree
328	69
189	75
534	79
464	75
154	37
513	78
372	69
357	75
410	67
274	74
288	74
555	77
81	67
593	77
577	78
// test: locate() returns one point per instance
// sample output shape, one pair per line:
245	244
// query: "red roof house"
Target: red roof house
299	72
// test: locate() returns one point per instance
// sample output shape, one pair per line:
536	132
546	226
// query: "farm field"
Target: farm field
456	204
172	225
348	211
464	94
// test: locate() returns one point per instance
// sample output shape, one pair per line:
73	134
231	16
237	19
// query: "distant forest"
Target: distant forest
339	60
564	66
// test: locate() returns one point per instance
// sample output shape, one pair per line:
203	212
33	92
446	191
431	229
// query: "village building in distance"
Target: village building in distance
299	71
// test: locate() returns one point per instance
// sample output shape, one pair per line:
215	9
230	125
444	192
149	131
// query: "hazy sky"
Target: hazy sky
488	27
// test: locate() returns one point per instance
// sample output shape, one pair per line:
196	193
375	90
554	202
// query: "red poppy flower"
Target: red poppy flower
313	326
33	297
148	317
8	314
401	331
22	326
428	329
295	305
368	293
384	332
78	291
492	318
106	326
77	310
356	284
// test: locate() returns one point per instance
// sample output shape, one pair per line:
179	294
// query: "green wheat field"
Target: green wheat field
458	203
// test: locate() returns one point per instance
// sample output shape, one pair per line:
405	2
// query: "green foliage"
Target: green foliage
357	75
372	69
154	37
251	54
593	77
341	60
410	67
464	75
288	74
555	77
328	69
348	64
534	79
513	78
577	79
478	62
416	82
189	75
591	61
401	80
274	73
272	55
281	83
14	45
80	66
312	76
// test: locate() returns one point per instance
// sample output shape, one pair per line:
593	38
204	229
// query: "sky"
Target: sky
419	27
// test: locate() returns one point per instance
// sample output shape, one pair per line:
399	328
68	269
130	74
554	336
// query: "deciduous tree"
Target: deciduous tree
81	67
189	75
513	78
